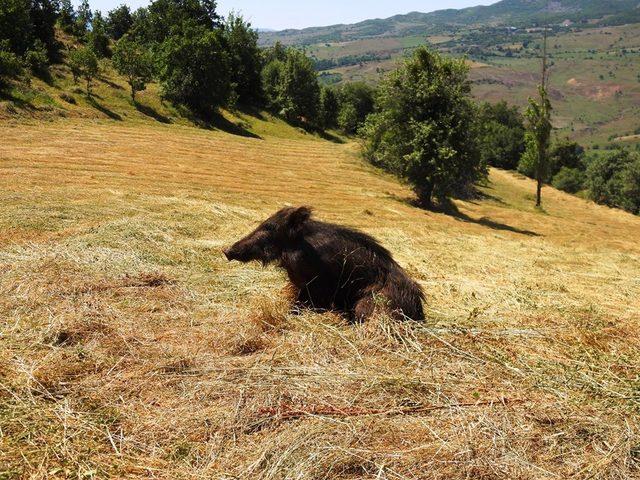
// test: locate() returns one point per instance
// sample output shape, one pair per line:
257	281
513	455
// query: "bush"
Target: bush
348	118
565	153
424	127
570	180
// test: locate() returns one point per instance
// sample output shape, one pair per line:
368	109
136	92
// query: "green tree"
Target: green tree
167	18
84	64
539	136
614	180
10	64
119	22
357	101
329	107
15	26
133	61
37	59
348	119
245	59
194	69
500	135
539	130
291	87
570	180
67	16
97	37
44	14
423	128
83	19
565	154
272	78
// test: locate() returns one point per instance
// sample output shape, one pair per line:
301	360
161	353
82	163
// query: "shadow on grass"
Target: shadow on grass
330	137
109	113
449	208
150	112
5	94
110	83
219	122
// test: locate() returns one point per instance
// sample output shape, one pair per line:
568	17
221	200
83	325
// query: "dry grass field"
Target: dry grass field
129	348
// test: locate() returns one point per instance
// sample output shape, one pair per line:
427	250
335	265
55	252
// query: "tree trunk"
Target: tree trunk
425	194
539	193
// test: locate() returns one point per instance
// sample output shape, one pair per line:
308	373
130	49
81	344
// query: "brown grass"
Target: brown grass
130	349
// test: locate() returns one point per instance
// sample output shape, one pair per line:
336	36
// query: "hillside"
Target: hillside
505	12
129	348
594	76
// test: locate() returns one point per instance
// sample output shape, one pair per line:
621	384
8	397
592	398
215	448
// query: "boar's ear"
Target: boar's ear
296	219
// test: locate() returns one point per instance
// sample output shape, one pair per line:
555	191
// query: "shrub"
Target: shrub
565	153
348	118
570	180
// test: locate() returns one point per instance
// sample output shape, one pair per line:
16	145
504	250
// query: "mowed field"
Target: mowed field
129	347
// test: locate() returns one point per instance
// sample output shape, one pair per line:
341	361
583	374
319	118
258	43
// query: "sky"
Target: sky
281	14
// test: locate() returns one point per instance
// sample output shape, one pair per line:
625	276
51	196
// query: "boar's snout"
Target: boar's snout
235	252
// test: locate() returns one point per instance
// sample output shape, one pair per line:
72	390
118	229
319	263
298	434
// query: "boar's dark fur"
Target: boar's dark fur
332	267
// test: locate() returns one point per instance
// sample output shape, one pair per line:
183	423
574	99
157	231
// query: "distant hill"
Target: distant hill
507	12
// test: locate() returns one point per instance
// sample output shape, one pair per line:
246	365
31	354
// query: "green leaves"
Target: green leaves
425	128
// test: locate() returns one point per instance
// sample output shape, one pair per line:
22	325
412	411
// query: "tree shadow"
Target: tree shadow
449	208
251	111
217	121
150	112
17	101
325	135
110	83
109	113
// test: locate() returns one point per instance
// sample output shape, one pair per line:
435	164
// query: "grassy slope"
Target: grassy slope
130	348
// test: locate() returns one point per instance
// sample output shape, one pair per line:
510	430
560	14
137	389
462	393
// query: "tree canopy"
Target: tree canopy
424	126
